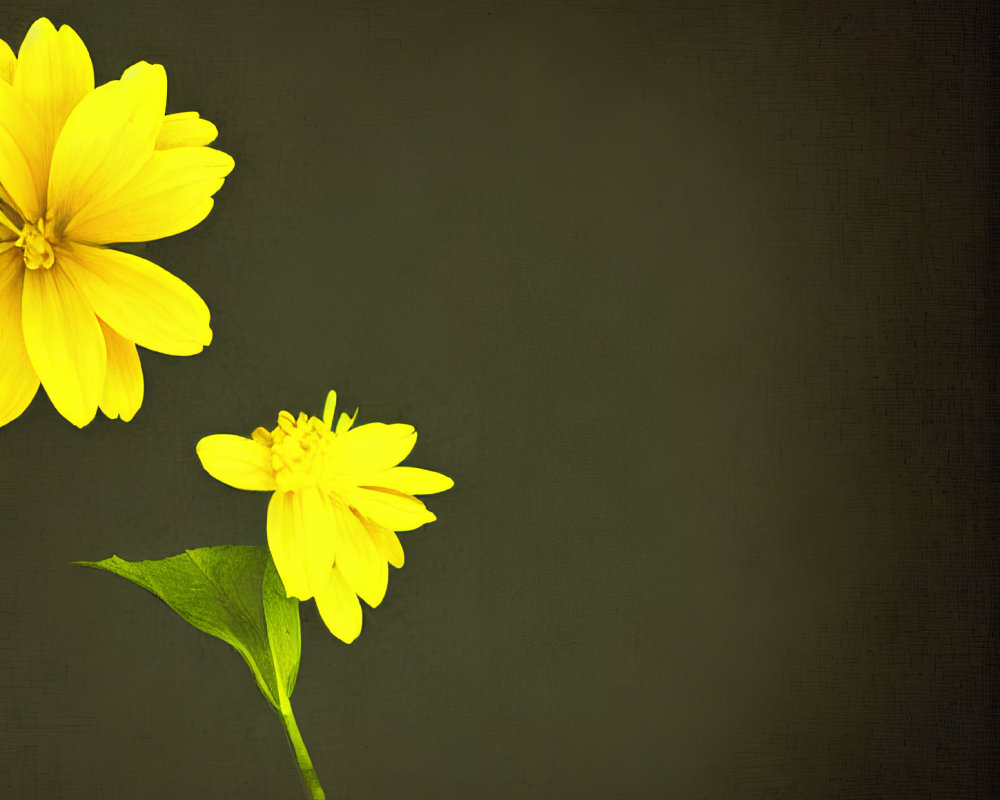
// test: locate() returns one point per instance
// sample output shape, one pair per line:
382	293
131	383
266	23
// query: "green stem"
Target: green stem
309	780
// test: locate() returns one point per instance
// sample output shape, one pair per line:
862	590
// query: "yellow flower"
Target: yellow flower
339	498
81	168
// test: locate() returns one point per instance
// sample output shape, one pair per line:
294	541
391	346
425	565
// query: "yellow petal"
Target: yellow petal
286	532
106	140
64	342
6	198
340	608
373	447
411	480
263	436
237	461
54	73
328	408
358	558
345	422
18	381
123	385
322	539
185	129
387	543
170	194
143	302
392	510
8	62
23	166
11	263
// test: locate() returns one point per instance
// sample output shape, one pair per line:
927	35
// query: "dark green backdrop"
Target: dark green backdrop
691	299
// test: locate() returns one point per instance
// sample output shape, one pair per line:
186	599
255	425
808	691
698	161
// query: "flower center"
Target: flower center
298	450
36	246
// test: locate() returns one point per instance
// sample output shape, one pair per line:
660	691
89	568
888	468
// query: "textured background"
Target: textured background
693	299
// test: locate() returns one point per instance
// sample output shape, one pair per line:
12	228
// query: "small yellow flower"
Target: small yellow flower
339	498
81	168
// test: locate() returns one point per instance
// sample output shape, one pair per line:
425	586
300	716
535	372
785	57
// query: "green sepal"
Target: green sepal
232	592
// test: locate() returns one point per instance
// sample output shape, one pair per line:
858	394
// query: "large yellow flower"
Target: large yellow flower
339	498
81	168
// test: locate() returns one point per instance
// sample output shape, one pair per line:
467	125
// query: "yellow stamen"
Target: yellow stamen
298	450
37	248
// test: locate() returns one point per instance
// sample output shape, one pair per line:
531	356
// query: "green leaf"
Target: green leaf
232	592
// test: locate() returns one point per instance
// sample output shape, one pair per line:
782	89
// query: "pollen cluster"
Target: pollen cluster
35	244
299	449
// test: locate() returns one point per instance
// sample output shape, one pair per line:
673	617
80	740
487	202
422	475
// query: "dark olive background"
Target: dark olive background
693	301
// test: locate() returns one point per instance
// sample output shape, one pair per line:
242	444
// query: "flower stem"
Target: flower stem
309	780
